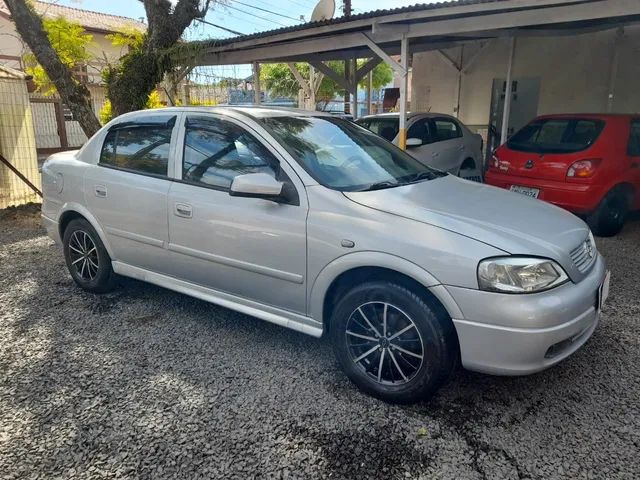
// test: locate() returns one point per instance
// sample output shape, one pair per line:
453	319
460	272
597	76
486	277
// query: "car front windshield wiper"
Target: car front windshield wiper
379	186
424	175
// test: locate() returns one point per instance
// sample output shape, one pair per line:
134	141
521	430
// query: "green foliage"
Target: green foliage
106	112
280	82
70	42
127	37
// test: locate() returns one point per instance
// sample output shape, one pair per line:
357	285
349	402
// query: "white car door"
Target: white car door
427	153
127	190
248	247
448	144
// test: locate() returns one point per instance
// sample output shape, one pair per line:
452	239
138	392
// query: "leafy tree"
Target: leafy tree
70	41
279	81
133	79
106	112
73	93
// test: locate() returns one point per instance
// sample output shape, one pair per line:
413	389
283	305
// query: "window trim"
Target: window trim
143	122
181	145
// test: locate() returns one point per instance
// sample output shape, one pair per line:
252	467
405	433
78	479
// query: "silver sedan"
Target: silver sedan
316	224
437	140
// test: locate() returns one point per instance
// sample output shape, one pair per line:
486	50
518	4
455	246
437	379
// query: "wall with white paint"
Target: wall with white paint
575	73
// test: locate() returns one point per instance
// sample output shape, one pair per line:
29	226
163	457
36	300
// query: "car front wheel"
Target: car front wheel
86	257
391	343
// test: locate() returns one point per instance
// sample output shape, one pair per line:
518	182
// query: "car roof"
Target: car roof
409	115
600	116
251	111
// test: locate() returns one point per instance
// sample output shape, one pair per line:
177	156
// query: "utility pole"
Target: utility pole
346	12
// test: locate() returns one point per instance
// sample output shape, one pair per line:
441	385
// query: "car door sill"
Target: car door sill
269	313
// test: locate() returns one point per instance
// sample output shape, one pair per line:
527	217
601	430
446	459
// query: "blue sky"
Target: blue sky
244	16
238	15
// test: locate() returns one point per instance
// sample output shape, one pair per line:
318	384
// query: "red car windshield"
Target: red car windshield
557	135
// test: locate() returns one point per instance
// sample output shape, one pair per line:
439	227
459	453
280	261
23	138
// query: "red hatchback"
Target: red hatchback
588	164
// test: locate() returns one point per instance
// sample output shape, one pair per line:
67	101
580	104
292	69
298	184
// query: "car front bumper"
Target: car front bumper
505	334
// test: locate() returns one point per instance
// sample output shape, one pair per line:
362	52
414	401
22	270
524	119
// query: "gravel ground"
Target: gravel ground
147	383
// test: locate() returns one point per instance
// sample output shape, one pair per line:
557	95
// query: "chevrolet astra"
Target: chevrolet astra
316	224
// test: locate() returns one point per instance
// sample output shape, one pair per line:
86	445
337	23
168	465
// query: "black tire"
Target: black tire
610	216
435	333
90	266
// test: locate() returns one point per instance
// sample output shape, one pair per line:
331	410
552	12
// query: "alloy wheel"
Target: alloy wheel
84	255
384	342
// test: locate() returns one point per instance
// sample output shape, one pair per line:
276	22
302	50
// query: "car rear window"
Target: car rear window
557	135
387	128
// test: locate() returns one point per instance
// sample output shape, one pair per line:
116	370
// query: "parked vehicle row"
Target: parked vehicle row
437	140
315	223
587	164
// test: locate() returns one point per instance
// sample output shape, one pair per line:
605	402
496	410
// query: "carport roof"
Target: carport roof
361	16
427	26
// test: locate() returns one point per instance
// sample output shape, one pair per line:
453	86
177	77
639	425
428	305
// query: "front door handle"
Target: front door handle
183	210
101	191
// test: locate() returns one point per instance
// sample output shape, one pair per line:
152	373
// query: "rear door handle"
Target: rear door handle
183	210
101	191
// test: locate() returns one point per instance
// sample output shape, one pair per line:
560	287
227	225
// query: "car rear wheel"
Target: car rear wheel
391	343
86	257
609	217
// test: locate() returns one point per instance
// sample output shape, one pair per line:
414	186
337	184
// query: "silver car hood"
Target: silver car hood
508	221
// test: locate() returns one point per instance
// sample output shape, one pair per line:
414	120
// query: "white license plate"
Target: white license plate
529	192
603	291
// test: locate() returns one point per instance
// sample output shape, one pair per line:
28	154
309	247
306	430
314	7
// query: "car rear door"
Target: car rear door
127	190
248	247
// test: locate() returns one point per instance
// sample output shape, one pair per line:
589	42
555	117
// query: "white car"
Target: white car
436	140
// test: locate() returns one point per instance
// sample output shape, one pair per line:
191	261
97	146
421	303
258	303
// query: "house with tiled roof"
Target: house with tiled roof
54	126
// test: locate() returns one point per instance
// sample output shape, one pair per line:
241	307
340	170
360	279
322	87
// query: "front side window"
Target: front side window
344	156
420	129
446	129
634	140
217	151
557	135
387	128
139	148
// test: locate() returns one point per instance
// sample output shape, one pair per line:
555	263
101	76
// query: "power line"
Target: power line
265	10
220	27
270	20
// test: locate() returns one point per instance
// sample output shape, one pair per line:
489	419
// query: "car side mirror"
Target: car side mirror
257	185
413	142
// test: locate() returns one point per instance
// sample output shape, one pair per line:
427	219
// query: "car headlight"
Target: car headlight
519	274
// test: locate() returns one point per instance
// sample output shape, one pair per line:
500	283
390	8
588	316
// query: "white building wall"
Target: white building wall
574	72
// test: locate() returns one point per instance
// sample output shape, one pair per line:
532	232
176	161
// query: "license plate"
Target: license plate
529	192
603	291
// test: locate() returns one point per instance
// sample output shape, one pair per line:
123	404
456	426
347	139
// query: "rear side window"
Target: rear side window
446	129
634	140
557	135
386	128
142	148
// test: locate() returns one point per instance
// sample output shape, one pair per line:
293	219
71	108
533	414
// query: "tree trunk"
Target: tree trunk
75	95
129	85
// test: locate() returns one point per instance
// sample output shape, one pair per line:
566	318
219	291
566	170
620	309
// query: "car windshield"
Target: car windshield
557	135
343	156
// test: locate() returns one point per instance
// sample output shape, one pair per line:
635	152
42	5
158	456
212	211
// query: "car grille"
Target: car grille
584	255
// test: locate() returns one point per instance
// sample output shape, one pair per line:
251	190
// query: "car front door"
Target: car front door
426	152
448	146
248	247
127	190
